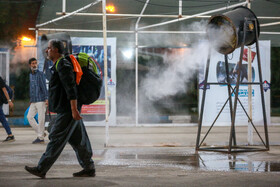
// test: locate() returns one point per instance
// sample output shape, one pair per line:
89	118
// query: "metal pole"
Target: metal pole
229	95
203	99
132	32
136	79
136	63
72	13
269	32
132	15
63	7
237	87
150	15
120	31
36	43
261	88
180	8
250	109
105	70
250	127
195	15
269	24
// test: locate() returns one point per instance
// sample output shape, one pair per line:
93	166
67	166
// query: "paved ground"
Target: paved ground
147	156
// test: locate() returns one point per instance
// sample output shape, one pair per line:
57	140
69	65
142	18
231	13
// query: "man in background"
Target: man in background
38	101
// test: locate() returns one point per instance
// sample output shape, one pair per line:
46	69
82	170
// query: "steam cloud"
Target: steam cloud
222	37
185	62
173	79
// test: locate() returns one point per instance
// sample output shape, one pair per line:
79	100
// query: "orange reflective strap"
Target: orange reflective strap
77	69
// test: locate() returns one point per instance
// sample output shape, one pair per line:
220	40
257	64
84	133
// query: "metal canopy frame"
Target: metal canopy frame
232	146
137	30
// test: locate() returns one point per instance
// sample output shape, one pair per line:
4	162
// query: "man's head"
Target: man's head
33	64
55	49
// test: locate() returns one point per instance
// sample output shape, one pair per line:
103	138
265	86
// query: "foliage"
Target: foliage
22	84
15	19
16	16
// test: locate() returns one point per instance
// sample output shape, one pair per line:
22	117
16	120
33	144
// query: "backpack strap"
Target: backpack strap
88	60
76	68
77	56
58	62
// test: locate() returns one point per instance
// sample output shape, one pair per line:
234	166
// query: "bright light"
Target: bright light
127	54
26	39
110	8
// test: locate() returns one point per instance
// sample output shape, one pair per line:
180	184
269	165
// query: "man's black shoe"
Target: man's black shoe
35	171
85	173
9	139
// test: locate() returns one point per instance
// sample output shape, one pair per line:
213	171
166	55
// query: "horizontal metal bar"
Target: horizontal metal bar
132	15
195	15
129	32
120	31
267	17
235	149
149	15
270	24
270	32
246	83
65	16
30	46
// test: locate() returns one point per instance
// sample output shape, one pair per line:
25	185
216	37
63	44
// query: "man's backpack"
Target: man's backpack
3	98
90	84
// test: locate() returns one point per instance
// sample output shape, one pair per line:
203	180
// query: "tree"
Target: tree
16	16
22	84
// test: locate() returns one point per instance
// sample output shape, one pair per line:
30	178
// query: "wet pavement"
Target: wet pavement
161	160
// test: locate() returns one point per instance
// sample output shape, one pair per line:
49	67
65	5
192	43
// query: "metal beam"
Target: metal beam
72	13
136	62
130	32
150	15
270	24
195	15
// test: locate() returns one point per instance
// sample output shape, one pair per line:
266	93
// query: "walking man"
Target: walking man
68	126
4	93
38	100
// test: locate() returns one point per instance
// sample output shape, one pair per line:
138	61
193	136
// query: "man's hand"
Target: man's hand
11	104
47	103
76	115
74	109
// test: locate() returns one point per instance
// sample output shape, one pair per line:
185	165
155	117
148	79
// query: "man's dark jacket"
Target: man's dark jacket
62	87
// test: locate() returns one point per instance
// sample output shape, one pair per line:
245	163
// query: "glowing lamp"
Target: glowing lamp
110	8
26	39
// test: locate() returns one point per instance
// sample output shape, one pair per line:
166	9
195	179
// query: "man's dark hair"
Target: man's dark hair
31	60
57	44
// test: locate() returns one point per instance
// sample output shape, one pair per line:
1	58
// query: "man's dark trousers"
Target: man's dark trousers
66	129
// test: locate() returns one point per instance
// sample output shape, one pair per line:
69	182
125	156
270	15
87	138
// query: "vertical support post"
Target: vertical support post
203	99
136	79
36	43
105	71
250	110
8	70
136	62
63	6
180	8
229	95
261	87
